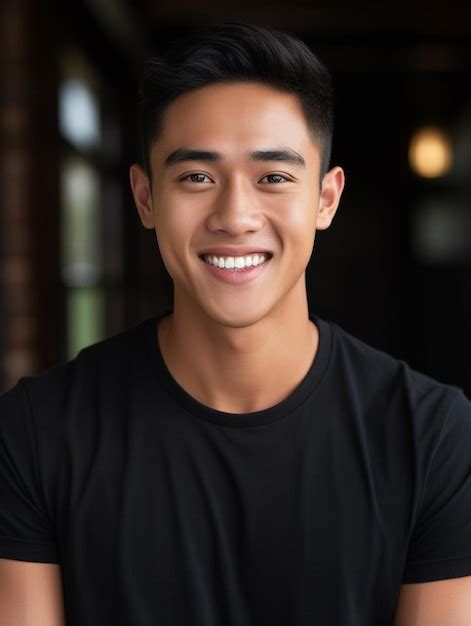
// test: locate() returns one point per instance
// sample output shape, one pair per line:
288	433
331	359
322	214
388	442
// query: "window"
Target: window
91	247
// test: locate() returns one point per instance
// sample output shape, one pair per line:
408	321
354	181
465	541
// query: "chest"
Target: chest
247	520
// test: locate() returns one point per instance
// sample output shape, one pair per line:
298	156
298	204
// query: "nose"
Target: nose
236	209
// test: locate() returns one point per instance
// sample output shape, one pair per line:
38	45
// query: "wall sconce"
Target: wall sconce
430	152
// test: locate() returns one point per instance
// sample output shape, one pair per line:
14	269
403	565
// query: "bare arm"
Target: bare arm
30	594
437	603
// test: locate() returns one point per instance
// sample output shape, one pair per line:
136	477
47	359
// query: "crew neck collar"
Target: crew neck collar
307	386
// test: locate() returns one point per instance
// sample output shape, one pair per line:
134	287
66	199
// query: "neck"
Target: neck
239	369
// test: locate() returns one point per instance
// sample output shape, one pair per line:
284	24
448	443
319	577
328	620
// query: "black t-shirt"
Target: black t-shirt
162	510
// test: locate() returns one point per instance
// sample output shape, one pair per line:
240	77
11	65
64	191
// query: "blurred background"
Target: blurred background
77	265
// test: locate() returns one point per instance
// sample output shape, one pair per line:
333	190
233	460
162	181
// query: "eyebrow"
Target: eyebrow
281	154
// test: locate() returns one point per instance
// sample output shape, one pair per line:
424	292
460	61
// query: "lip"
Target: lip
224	251
236	277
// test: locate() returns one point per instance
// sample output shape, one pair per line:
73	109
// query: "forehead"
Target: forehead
235	117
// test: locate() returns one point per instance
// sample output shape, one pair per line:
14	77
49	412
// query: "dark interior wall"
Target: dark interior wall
352	272
365	272
28	193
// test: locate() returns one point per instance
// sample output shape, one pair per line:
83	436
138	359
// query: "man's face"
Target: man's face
236	201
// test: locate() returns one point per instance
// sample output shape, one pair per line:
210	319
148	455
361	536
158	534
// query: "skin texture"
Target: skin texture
436	603
30	594
251	344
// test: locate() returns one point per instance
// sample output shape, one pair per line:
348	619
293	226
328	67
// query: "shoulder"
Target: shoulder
61	386
381	379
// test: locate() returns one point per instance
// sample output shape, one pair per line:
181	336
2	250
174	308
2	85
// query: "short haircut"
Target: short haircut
236	51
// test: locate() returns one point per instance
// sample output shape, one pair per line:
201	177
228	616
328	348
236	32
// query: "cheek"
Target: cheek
178	214
295	221
175	231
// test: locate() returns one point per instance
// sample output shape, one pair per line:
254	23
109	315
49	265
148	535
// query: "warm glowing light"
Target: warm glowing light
430	152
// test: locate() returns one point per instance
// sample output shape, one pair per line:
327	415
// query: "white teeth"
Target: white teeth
238	262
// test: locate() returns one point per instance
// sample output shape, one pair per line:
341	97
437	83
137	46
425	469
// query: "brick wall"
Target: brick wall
30	295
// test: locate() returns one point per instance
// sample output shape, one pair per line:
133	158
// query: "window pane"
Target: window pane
78	114
79	102
85	318
81	223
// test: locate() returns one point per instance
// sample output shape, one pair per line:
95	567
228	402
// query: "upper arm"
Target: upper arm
31	593
27	527
436	581
439	547
436	603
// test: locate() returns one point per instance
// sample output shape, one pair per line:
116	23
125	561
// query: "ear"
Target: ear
142	194
332	187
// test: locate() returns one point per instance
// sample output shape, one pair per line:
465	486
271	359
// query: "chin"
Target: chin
236	316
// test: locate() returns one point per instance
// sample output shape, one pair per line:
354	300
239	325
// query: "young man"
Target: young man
235	460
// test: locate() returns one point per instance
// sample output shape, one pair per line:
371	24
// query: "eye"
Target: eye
272	176
194	174
276	176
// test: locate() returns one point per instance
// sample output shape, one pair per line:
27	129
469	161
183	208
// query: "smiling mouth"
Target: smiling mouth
267	255
236	275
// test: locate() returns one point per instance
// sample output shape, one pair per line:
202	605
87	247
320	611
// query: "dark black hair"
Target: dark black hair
236	51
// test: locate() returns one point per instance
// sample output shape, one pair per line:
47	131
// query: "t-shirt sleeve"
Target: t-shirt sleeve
26	531
440	544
